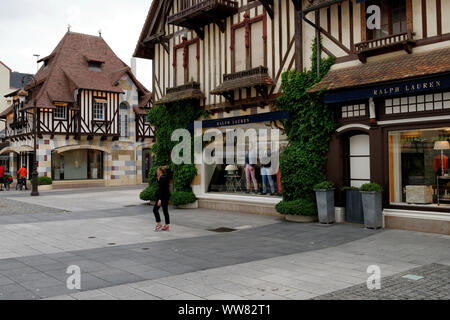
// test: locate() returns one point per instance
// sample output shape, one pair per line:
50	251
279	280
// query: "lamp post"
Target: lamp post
34	174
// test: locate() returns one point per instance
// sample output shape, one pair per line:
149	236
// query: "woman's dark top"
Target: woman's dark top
163	192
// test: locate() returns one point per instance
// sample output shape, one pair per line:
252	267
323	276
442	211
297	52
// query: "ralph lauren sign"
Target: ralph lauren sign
407	88
396	89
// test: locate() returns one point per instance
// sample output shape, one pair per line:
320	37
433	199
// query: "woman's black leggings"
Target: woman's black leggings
165	207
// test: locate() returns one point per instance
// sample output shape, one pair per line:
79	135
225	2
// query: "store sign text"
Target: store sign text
407	88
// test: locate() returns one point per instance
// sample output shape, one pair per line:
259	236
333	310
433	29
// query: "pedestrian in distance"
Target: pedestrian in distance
162	200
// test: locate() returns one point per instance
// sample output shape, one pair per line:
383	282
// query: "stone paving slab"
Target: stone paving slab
287	277
434	285
10	207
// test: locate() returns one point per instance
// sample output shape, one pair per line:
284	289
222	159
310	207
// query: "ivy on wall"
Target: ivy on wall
166	119
309	129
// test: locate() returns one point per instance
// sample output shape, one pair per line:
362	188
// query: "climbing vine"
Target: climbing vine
308	129
166	119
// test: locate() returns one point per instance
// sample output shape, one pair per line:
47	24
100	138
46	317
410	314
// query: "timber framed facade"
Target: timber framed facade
237	59
90	115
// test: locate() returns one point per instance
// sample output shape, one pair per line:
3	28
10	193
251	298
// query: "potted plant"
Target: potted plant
302	210
325	201
372	205
353	205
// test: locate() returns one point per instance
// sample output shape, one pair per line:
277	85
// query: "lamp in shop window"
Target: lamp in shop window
442	145
231	168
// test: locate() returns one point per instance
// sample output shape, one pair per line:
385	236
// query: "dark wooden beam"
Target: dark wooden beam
268	5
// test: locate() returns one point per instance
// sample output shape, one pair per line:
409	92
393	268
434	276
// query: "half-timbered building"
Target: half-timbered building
90	117
387	87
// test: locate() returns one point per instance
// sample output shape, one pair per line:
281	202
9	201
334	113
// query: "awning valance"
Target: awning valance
402	75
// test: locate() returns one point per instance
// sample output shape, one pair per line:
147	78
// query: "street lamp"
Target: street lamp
34	175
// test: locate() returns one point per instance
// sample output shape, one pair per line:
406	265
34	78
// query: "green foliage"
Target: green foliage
44	181
300	207
183	176
166	119
180	198
309	130
149	193
371	187
325	185
349	188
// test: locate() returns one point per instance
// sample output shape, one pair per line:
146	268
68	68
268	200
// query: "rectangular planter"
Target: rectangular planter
373	209
353	207
325	205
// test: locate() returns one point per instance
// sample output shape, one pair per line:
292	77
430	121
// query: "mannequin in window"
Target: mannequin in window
266	172
251	158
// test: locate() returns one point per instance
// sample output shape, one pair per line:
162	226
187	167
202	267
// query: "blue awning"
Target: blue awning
401	88
241	120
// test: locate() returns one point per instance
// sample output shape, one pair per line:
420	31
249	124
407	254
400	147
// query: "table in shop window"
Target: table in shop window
442	187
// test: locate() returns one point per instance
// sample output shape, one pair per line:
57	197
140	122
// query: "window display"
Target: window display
419	167
256	174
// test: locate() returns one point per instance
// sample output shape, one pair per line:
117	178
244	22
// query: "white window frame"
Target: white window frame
97	108
64	112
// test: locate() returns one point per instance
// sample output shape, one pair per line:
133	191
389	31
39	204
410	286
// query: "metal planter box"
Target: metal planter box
353	207
373	209
325	205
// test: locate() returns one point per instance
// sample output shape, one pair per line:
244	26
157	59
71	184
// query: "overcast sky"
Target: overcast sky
30	27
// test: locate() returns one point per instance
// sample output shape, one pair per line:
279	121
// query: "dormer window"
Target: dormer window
95	66
45	64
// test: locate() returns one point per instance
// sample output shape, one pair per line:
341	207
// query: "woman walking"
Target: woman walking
162	200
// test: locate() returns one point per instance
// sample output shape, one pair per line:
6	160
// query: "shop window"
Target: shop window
416	159
354	111
77	165
428	102
393	18
251	173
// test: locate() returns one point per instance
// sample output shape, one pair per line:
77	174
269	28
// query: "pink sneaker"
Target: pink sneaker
166	228
158	228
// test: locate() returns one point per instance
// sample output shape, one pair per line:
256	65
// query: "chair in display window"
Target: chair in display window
233	179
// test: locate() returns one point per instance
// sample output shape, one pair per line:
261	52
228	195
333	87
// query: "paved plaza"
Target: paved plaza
107	232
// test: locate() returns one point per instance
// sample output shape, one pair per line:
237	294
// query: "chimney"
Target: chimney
133	66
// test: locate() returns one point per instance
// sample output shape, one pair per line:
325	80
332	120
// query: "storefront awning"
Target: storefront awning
237	121
402	75
16	149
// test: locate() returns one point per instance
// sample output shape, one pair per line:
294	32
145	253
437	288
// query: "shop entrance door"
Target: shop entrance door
359	160
147	163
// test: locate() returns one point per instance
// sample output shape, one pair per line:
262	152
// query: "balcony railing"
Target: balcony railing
202	12
401	41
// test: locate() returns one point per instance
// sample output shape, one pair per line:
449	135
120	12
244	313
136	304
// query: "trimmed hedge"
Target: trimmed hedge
149	193
326	185
371	187
301	207
181	198
44	181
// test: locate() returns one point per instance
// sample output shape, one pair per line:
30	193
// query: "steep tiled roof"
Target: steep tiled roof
392	69
68	70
